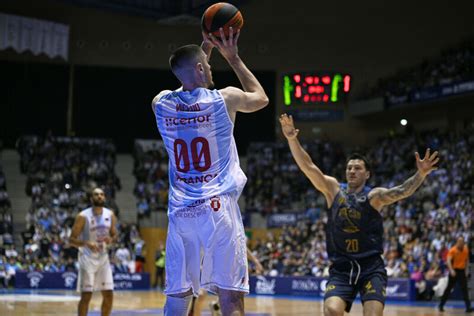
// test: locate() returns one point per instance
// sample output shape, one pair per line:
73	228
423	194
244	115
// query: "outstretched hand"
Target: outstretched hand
428	163
226	46
288	127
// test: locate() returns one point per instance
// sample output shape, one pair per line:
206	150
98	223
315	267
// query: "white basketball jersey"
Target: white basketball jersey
198	134
95	230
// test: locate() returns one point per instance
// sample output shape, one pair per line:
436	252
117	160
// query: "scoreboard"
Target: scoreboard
315	88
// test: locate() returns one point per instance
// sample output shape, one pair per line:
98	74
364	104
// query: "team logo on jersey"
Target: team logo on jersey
179	121
215	203
369	289
348	219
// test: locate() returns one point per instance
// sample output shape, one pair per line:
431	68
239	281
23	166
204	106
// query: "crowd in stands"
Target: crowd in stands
59	168
275	184
151	173
454	65
418	231
60	171
6	223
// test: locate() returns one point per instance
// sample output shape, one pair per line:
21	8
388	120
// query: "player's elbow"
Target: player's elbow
260	103
264	100
255	104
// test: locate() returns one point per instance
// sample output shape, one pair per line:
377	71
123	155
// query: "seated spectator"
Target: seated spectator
123	254
11	252
3	277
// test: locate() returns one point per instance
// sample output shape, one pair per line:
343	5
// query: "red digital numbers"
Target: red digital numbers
306	88
200	154
326	80
311	88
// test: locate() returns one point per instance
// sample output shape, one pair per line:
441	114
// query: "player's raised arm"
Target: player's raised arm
323	183
253	96
380	197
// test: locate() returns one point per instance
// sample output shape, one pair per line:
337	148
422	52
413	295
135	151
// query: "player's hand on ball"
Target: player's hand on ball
288	127
207	40
226	46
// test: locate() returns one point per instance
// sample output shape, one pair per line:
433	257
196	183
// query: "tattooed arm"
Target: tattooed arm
380	197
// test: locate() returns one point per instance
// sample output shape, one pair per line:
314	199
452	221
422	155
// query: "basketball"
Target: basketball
223	15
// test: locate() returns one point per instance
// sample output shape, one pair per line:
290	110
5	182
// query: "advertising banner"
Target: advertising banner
397	289
68	280
431	93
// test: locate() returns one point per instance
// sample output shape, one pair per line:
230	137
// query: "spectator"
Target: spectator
160	267
123	254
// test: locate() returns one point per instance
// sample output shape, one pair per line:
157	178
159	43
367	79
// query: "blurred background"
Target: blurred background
381	77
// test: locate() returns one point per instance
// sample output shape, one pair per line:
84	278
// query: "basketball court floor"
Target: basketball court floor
139	303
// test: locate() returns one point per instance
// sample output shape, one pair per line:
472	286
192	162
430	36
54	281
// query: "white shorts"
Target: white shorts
94	275
206	247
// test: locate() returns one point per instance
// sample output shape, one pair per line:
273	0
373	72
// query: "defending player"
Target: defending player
354	233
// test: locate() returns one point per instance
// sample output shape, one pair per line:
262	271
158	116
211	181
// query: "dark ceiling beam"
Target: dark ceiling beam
155	9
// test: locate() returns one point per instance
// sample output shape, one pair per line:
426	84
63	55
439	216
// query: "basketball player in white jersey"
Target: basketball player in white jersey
196	123
93	230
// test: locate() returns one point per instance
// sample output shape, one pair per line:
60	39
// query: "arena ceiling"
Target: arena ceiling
179	11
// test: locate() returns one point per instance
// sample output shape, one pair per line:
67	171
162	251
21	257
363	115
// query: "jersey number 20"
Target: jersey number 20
352	245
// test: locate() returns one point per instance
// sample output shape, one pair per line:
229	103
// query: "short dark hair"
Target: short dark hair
360	157
183	54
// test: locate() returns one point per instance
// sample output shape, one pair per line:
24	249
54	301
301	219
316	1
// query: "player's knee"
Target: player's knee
108	296
331	309
177	304
86	297
182	295
373	308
